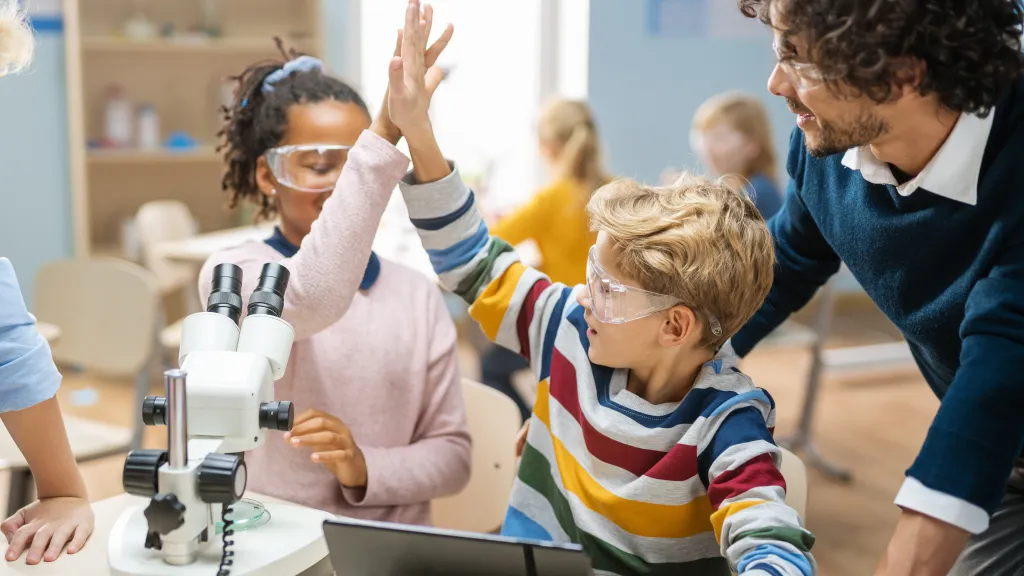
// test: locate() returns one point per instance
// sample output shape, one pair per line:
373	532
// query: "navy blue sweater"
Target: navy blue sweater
949	275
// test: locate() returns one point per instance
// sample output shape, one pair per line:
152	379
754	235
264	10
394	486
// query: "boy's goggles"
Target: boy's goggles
308	167
612	302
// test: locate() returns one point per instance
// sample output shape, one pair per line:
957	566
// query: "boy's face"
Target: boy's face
637	342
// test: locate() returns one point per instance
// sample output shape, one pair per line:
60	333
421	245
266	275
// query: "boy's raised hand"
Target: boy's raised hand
408	94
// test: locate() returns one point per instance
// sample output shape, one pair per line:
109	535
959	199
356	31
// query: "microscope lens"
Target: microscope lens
268	298
226	293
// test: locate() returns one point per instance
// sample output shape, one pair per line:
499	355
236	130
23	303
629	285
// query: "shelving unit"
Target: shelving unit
182	77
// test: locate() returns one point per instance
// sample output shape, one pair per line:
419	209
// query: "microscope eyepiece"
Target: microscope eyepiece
226	293
268	298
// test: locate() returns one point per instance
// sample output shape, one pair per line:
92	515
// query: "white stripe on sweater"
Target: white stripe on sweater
739	454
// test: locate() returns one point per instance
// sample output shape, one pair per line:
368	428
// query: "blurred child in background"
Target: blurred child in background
380	427
555	218
731	135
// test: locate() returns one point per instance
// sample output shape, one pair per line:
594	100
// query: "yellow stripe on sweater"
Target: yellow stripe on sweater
638	518
490	307
718	518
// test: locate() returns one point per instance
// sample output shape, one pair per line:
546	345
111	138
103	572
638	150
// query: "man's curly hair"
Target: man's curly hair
970	49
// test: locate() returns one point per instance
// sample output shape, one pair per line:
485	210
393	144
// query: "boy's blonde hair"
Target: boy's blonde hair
746	115
699	240
16	41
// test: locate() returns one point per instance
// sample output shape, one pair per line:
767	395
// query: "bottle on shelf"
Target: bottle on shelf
118	121
149	128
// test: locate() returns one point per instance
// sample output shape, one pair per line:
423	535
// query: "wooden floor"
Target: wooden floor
872	425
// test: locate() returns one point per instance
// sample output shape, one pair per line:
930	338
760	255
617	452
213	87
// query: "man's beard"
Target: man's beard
833	138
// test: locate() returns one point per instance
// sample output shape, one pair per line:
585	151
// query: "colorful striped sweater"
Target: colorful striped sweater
685	488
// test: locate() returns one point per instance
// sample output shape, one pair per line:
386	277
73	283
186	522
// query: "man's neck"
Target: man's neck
916	136
669	378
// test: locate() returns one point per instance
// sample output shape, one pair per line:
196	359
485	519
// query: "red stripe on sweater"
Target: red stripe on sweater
756	472
679	463
526	315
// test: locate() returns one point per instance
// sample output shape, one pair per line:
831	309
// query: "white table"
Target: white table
89	440
51	332
92	560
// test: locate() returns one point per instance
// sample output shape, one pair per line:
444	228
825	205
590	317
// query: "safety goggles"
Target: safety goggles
308	167
613	302
804	75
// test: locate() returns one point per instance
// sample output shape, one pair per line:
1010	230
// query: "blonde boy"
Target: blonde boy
647	446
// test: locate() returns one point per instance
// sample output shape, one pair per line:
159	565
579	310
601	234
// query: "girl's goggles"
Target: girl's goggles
308	167
612	302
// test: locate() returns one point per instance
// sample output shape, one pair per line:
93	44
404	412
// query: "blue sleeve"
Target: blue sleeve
979	429
804	261
27	373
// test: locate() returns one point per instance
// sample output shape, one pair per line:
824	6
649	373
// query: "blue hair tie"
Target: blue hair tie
300	64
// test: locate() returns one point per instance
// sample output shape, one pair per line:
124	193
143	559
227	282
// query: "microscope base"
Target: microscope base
292	543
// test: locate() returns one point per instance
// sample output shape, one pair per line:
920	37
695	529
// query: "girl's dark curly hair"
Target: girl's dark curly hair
971	49
256	122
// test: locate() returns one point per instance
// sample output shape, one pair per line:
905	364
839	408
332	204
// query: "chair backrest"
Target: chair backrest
795	473
165	221
106	309
494	421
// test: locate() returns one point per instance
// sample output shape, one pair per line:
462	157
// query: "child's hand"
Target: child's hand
521	438
382	124
47	525
332	446
409	76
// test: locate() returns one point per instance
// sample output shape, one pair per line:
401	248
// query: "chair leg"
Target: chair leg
19	493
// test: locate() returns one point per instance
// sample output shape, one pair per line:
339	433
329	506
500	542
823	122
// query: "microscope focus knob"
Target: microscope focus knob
165	513
154	411
222	479
141	472
277	416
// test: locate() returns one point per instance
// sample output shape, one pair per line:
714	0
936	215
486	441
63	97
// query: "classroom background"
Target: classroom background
108	150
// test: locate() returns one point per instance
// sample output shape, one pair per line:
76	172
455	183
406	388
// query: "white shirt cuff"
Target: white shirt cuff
915	496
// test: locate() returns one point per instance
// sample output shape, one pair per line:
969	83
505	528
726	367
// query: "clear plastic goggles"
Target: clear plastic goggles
612	302
308	167
804	75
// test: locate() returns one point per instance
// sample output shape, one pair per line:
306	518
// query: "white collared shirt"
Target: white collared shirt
952	173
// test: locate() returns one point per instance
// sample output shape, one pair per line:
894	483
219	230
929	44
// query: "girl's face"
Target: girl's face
327	122
723	150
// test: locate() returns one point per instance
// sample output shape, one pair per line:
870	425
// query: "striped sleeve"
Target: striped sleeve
758	532
516	306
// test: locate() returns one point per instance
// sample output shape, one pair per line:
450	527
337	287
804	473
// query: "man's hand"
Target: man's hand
332	445
382	124
521	438
45	526
922	546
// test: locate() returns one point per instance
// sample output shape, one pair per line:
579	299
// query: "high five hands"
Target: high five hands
412	76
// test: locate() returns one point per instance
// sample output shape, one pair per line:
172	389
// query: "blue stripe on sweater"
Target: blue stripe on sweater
519	525
442	221
767	568
767	551
699	401
554	320
741	426
460	253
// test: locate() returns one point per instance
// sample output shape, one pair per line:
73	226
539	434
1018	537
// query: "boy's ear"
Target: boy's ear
264	177
679	327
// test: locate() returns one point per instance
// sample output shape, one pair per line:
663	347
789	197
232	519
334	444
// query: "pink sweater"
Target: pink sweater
382	360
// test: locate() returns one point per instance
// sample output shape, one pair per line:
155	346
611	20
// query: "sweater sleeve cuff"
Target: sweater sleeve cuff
376	492
914	495
435	200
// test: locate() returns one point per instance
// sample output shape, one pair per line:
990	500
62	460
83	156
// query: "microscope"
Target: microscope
217	406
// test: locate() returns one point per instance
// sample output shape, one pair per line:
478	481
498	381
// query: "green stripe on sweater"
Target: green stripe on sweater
476	280
535	471
801	539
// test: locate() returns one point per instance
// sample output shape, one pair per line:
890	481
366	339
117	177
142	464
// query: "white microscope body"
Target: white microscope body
218	406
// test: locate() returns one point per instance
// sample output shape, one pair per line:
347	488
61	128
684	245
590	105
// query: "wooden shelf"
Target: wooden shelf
114	44
203	153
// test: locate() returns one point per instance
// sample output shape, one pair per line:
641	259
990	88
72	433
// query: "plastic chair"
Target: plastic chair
107	311
166	221
795	473
494	421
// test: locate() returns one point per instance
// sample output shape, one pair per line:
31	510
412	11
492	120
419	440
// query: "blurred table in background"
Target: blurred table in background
50	332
